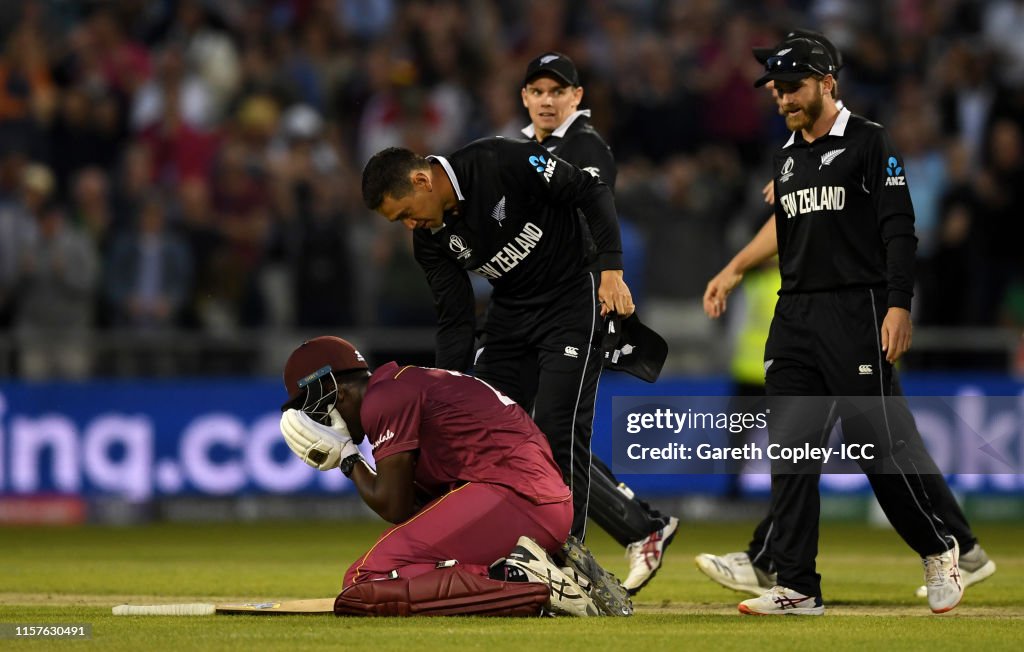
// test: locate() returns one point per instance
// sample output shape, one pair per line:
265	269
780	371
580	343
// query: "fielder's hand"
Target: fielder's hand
613	294
322	447
718	289
896	333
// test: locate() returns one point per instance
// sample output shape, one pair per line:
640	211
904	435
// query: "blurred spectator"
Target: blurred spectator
965	95
18	229
946	281
149	272
180	149
207	307
88	131
27	94
124	64
55	310
1001	187
208	50
402	295
240	200
914	135
175	81
726	77
1003	24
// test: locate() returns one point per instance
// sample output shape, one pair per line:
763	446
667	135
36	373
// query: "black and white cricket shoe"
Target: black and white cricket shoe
611	598
568	598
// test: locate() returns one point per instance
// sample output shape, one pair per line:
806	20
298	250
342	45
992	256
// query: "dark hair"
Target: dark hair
387	174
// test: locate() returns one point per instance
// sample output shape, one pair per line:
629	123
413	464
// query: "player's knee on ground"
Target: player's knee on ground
451	591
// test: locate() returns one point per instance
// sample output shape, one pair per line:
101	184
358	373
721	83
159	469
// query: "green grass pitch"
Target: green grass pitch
75	575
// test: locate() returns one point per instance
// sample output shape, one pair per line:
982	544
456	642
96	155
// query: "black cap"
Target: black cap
762	54
629	345
554	64
796	58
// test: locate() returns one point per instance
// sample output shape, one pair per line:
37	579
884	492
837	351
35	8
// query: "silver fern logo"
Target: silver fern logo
828	157
498	212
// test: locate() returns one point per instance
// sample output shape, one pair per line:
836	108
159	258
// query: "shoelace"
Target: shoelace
934	570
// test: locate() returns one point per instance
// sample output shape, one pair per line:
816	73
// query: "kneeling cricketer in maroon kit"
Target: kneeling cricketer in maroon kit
477	460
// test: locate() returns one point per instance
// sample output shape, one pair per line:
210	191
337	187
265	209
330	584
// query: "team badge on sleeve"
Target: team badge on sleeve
894	173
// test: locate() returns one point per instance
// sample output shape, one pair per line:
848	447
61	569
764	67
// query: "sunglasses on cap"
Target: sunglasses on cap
789	64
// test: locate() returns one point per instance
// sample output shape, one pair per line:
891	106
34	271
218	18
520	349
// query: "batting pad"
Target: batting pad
313	606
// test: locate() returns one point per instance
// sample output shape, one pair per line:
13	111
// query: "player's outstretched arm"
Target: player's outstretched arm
763	246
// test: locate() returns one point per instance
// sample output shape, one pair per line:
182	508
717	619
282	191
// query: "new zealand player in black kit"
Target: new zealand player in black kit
753	570
552	94
844	232
507	210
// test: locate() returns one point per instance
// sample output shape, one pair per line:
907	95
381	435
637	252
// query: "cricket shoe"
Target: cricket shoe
942	579
609	595
645	556
780	601
568	598
975	566
734	571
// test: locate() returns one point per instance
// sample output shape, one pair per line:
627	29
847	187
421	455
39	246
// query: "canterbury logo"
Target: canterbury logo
865	370
828	157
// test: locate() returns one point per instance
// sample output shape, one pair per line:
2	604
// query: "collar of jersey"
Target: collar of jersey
451	177
838	127
530	132
450	172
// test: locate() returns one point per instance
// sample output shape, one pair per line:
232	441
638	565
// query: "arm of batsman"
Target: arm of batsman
321	447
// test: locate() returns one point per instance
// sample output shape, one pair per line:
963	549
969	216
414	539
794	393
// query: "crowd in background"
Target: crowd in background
195	164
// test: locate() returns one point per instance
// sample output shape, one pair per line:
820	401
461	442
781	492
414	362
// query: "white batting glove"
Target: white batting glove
321	447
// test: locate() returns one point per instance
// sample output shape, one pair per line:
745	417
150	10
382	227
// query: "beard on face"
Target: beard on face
808	115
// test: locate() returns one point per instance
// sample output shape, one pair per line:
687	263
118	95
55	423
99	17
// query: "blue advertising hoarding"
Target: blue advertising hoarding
146	439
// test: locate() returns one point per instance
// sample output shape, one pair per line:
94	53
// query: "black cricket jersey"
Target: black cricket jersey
843	214
578	142
516	226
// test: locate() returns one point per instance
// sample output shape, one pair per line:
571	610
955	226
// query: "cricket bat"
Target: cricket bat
313	606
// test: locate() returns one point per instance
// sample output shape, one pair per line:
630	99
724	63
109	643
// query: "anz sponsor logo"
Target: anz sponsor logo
544	165
458	245
811	200
894	173
512	253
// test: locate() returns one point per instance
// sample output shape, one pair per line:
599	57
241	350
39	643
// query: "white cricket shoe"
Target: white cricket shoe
780	601
645	556
734	571
975	566
942	577
567	597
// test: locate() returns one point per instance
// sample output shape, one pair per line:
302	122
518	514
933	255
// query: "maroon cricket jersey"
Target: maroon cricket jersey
464	430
